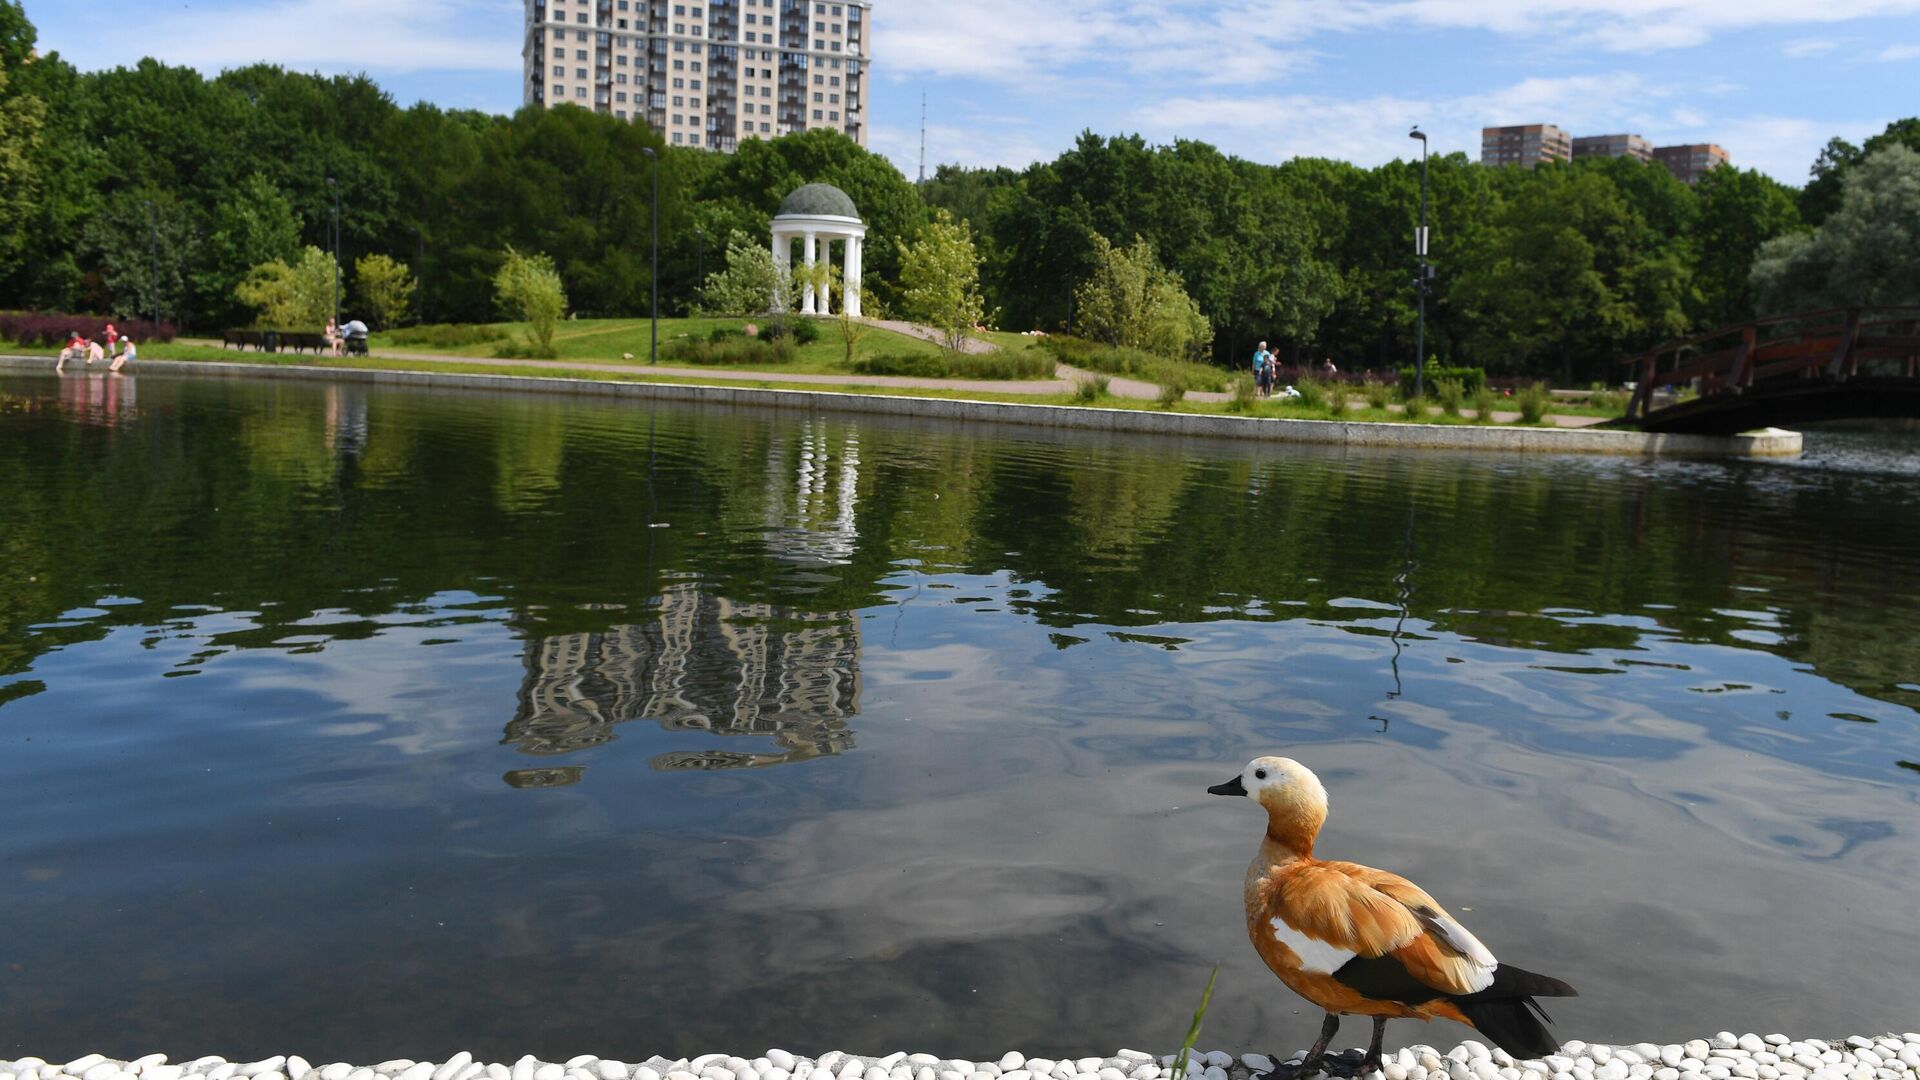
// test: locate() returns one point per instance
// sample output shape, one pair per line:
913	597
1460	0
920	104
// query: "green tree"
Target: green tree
20	120
529	289
253	224
1863	254
140	242
1826	187
748	284
940	280
1133	301
386	287
1740	211
297	297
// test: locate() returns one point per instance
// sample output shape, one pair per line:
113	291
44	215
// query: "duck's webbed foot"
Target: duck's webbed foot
1317	1054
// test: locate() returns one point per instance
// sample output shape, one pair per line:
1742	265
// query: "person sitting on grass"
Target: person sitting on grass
95	352
127	352
75	349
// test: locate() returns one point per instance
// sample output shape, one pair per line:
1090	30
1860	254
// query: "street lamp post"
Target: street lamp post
153	225
653	351
334	189
700	258
1420	284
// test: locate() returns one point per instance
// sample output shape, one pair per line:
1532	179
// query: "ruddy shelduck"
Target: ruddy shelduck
1359	941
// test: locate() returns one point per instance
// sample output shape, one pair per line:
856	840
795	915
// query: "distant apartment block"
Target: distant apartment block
1525	145
1528	145
1612	146
705	74
1691	162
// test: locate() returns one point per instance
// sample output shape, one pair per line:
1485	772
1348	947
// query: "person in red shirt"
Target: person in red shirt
112	337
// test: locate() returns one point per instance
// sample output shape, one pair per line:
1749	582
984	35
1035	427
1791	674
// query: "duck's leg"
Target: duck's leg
1372	1062
1318	1051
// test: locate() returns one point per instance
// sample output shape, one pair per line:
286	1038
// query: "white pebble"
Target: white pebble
1698	1049
607	1070
162	1072
1393	1070
421	1071
1483	1069
1724	1040
1416	1072
1611	1070
1257	1062
552	1071
497	1071
1149	1071
1751	1043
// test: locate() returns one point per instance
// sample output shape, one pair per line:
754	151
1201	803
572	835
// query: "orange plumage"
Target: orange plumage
1359	941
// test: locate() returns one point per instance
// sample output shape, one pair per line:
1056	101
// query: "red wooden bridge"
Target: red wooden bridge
1823	365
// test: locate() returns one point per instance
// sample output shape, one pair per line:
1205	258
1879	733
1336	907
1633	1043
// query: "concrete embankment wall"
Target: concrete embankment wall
1544	440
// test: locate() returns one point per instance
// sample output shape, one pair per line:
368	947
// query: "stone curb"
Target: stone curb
1771	442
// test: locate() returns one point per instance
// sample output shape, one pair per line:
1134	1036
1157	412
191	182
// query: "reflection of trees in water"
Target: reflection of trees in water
705	664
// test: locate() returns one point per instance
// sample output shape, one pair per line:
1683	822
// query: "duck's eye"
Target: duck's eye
1260	774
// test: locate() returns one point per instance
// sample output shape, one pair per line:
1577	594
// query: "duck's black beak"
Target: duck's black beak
1231	787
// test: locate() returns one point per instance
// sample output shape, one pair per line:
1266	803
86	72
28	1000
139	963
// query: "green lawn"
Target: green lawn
608	341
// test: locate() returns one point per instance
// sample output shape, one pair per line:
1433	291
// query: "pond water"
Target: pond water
364	723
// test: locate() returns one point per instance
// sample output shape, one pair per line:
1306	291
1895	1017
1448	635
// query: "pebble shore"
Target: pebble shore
1724	1056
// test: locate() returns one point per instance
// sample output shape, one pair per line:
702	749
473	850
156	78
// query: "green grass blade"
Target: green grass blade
1193	1030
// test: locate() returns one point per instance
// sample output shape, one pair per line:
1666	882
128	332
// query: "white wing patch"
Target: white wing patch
1461	940
1315	956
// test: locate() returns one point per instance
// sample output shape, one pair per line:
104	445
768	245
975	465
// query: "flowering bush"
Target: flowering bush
52	330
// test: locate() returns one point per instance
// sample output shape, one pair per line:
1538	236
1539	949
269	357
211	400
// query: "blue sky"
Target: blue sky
1013	81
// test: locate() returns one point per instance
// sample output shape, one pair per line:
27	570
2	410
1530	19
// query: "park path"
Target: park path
1066	378
979	386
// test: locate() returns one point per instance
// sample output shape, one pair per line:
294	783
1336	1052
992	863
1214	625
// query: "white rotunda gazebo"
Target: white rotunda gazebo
817	215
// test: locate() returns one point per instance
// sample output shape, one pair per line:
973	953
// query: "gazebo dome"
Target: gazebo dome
818	200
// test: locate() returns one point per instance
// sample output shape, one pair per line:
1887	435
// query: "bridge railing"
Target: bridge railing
1837	343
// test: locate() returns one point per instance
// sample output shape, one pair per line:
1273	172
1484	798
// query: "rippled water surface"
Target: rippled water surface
375	723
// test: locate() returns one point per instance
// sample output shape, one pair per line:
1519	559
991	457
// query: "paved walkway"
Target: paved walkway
1067	377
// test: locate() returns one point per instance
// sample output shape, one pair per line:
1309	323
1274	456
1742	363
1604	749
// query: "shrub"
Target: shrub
1004	364
1171	394
1485	401
1613	401
528	288
1337	396
802	331
1533	400
1469	378
1379	395
1091	388
1243	393
1450	394
51	330
739	351
1313	394
446	335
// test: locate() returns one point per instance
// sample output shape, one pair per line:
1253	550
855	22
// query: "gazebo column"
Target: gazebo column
826	287
850	277
807	301
782	265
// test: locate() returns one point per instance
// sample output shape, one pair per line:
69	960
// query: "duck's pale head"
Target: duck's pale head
1295	802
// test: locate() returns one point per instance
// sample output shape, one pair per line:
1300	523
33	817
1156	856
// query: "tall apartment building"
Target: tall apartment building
1691	162
1525	145
705	73
1612	146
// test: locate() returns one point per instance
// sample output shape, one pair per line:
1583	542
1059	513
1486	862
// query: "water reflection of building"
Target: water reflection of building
704	664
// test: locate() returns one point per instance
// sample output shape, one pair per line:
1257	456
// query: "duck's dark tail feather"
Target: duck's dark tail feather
1506	1012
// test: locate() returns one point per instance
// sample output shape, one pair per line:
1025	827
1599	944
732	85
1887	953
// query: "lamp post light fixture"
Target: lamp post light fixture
1422	283
153	226
334	189
653	350
700	257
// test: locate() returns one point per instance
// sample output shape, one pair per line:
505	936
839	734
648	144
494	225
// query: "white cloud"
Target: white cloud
1894	53
326	35
1800	50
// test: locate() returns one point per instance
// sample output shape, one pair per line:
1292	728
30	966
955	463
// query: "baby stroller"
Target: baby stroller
355	333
